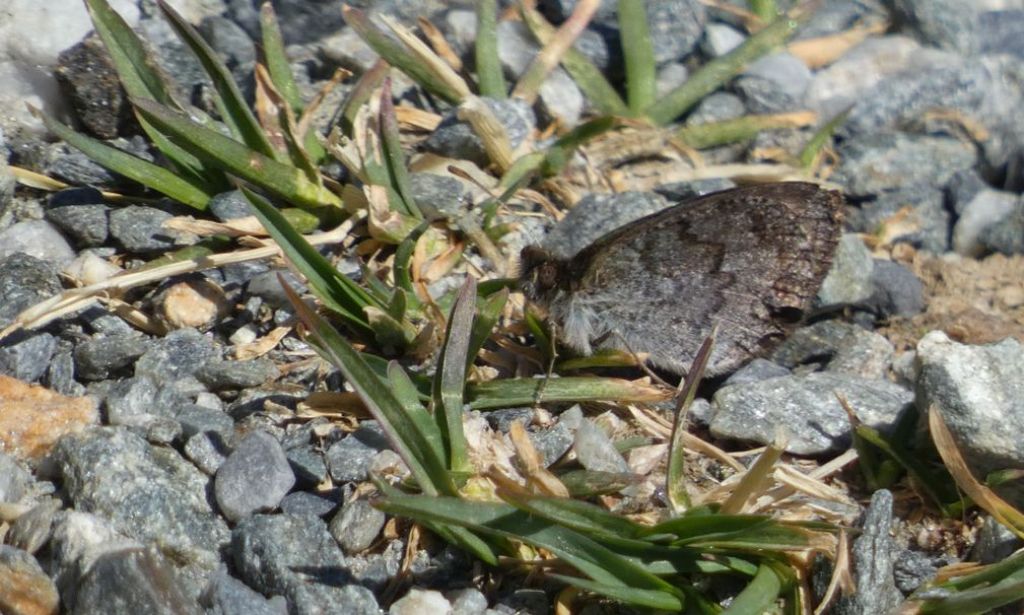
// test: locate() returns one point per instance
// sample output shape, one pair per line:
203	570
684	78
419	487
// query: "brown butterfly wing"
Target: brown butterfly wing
748	260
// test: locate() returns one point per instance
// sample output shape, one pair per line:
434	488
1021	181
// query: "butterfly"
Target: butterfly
749	260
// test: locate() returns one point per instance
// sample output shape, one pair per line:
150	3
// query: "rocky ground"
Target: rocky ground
160	450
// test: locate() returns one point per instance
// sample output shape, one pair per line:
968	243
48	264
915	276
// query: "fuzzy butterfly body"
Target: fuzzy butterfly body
749	260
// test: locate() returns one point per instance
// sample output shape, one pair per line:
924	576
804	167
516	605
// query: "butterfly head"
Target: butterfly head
541	273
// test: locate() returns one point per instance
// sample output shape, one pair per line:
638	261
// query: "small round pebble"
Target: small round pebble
255	477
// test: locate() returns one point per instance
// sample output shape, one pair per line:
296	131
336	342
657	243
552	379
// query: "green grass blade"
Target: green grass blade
277	60
765	9
724	132
488	312
591	81
397	55
648	598
394	157
450	381
230	103
717	72
513	392
809	154
586	555
141	77
360	94
412	445
489	75
138	72
692	528
639	55
142	171
224	152
759	596
409	396
339	294
675	476
584	517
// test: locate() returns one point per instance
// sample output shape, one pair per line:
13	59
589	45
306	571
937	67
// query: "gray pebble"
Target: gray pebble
227	595
178	354
14	479
273	554
26	356
1007	235
755	371
32	530
947	24
849	279
596	451
979	391
897	291
87	225
229	206
207	450
840	347
139	229
987	212
224	375
99	358
304	502
134	581
805	410
255	477
454	138
873	553
356	526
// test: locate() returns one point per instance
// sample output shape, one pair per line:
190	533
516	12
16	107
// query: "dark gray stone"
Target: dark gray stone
985	89
227	595
897	291
134	581
308	464
912	569
716	108
196	419
979	391
873	555
87	77
26	356
962	187
119	477
232	44
140	403
552	443
207	450
455	138
80	539
774	84
928	222
254	477
805	408
502	418
250	401
295	556
60	375
138	229
24	281
994	543
14	479
1007	235
849	278
349	460
356	526
839	346
101	357
103	323
306	503
597	214
947	24
86	225
755	371
438	196
224	375
267	287
872	164
1002	32
72	166
178	354
229	206
988	212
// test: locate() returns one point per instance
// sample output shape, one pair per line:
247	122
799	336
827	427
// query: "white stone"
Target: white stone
36	238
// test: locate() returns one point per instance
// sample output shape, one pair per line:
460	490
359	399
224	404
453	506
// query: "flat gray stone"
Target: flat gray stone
356	526
979	391
295	556
254	477
804	410
849	280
